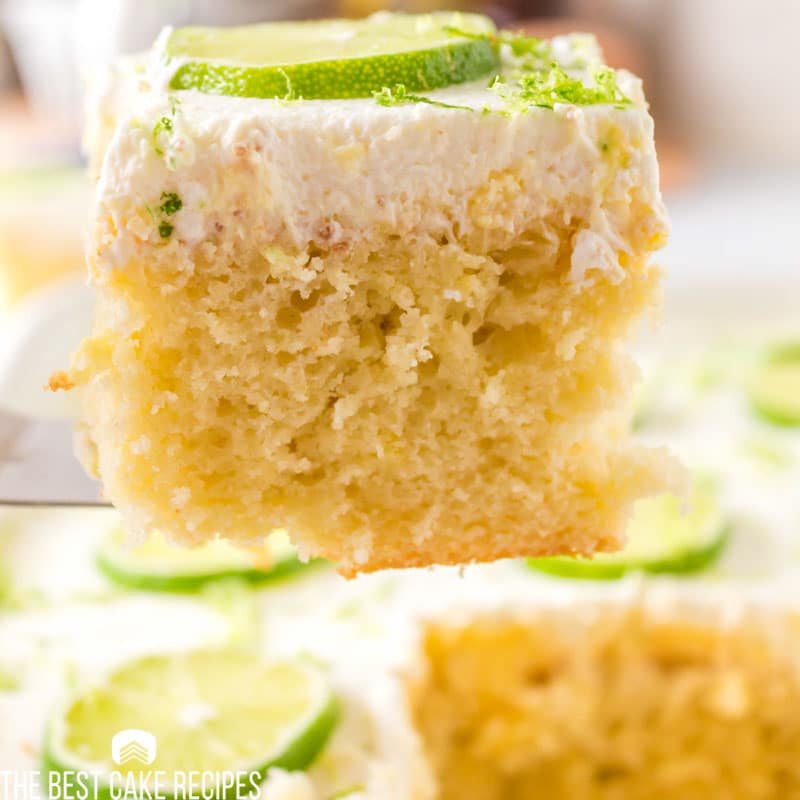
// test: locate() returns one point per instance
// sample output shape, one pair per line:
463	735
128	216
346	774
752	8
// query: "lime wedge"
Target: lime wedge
661	539
158	566
332	59
775	386
214	711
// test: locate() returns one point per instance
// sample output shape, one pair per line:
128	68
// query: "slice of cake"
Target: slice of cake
373	289
625	701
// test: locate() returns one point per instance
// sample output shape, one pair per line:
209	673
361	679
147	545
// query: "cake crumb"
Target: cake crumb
60	381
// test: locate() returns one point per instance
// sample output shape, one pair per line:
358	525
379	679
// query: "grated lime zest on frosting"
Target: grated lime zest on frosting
538	78
399	95
546	89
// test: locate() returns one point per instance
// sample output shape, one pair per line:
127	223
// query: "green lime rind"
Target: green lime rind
193	747
343	79
188	584
130	570
334	59
662	539
302	752
774	387
296	757
684	563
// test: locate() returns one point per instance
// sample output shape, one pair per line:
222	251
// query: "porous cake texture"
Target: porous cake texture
394	331
622	703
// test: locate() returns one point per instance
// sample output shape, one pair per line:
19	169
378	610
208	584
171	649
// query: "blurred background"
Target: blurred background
721	75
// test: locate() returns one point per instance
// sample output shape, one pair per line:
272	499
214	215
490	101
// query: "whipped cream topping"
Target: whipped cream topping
287	173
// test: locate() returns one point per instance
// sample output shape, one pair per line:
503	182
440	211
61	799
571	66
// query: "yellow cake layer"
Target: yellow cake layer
369	413
616	704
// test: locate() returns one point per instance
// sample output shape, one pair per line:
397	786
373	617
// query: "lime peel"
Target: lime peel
661	539
340	59
287	708
157	566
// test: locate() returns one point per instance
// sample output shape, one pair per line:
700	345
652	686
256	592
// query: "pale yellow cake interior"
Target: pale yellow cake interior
396	402
618	705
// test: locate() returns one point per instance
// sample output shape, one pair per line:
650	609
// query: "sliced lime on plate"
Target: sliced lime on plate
661	539
774	387
206	711
158	566
333	59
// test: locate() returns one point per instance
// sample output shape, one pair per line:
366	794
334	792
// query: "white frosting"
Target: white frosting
294	172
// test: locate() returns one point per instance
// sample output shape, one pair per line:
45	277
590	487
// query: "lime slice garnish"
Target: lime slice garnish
332	59
158	566
661	539
218	711
774	388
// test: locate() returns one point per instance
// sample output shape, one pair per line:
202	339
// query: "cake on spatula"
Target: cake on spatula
370	282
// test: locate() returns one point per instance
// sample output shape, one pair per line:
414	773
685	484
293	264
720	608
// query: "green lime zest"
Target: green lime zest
662	538
536	80
547	88
399	95
218	711
165	125
171	204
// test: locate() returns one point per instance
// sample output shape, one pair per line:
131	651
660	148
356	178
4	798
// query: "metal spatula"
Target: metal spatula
38	466
37	463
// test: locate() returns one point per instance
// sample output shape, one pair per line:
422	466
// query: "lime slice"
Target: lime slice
661	539
332	59
158	566
210	711
775	386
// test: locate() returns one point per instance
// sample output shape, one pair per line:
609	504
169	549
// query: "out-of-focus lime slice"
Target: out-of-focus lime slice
774	387
661	539
330	59
212	711
158	566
